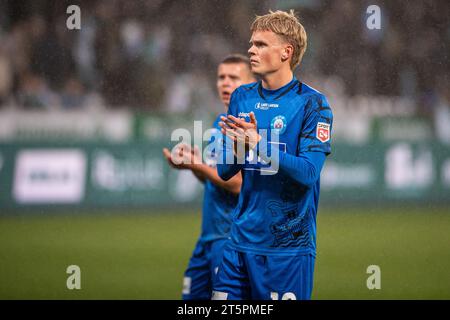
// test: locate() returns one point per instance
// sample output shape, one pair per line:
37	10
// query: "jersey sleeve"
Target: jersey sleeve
317	124
227	166
305	167
232	107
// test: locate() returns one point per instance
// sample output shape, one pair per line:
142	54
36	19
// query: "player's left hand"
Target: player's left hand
183	156
174	158
241	131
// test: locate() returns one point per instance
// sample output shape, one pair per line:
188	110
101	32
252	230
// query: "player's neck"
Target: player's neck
278	79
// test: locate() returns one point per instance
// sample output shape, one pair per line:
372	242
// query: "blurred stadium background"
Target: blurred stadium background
85	113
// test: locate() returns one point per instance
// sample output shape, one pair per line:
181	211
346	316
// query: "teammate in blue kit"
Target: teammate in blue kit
271	253
220	197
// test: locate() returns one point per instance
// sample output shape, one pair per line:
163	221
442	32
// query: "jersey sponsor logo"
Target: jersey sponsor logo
265	105
278	125
323	131
243	114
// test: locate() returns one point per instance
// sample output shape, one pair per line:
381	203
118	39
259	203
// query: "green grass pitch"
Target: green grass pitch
143	254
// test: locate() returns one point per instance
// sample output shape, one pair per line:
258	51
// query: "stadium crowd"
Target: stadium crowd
159	54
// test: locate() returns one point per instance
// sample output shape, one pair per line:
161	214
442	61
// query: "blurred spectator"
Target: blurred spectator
34	93
442	109
6	76
73	94
146	54
50	57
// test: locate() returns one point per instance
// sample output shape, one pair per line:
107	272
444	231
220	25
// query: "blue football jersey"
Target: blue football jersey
277	208
218	204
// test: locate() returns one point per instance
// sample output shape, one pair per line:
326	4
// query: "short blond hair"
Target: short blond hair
286	25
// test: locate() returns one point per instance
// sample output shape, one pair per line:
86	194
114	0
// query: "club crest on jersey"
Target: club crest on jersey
323	131
278	124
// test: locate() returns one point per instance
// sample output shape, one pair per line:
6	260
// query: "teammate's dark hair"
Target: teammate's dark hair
237	58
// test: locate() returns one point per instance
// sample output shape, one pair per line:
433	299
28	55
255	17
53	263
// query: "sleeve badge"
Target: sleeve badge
323	132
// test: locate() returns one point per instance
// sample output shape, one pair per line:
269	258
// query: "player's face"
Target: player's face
229	77
265	52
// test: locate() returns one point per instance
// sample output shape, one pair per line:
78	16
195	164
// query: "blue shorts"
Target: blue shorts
250	276
201	272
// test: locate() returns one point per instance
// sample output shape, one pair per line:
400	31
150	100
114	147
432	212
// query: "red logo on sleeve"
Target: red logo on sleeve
323	131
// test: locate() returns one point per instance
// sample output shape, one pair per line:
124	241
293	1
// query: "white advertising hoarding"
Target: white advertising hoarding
49	176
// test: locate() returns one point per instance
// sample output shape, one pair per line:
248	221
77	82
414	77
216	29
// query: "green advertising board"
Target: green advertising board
136	174
387	172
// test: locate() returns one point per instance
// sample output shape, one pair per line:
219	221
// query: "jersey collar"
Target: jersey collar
277	93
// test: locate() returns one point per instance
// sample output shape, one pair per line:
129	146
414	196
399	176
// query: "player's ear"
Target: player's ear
287	52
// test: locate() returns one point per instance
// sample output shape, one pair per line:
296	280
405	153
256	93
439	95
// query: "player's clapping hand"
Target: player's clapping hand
183	156
243	133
